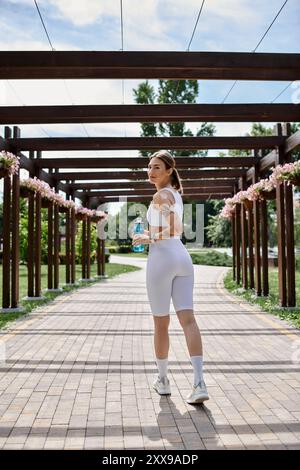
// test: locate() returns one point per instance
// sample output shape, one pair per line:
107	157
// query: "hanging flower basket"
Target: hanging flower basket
9	164
63	209
3	171
248	204
269	194
79	216
26	192
295	180
46	203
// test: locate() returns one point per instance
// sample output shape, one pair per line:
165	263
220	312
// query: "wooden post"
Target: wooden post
30	263
88	244
15	261
244	240
50	243
233	247
56	242
238	242
103	256
256	217
290	245
280	209
73	245
6	277
37	238
264	247
83	256
68	241
250	248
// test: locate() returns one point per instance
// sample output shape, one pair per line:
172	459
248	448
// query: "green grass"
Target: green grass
269	304
132	254
111	270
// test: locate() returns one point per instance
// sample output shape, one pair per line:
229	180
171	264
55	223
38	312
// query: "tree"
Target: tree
171	91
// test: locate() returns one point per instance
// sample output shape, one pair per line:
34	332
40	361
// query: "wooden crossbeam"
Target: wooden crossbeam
150	192
275	112
148	64
141	162
144	185
145	143
117	176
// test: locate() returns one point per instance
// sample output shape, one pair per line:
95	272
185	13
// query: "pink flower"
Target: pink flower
10	162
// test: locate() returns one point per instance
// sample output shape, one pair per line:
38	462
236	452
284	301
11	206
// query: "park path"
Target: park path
77	373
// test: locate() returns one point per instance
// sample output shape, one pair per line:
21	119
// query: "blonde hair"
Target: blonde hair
169	161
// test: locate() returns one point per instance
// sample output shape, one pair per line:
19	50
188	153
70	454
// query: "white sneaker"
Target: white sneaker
199	394
162	386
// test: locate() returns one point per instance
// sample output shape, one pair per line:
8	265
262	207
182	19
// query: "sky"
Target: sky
149	25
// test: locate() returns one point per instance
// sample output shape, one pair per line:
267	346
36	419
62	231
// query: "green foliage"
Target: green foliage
219	231
211	258
171	91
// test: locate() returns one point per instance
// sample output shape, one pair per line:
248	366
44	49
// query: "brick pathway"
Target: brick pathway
78	373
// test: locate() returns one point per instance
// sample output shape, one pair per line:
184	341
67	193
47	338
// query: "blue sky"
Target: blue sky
231	25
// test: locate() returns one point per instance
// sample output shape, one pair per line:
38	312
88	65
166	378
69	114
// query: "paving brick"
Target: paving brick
91	386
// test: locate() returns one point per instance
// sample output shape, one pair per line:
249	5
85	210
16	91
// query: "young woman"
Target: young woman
170	273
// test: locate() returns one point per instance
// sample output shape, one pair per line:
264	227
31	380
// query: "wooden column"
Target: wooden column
103	256
233	240
73	246
15	260
244	237
256	219
68	242
280	209
37	238
264	247
6	277
88	244
56	242
99	259
50	244
238	242
250	248
290	245
30	262
83	250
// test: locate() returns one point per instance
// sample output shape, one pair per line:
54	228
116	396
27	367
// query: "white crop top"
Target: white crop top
157	219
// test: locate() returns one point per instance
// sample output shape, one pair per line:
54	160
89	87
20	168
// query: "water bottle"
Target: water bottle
138	228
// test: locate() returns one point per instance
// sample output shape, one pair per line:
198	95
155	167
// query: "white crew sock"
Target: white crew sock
162	365
197	362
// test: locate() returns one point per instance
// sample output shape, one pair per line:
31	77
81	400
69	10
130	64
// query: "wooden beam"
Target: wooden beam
142	175
248	112
105	193
144	185
148	64
292	142
140	162
186	198
144	143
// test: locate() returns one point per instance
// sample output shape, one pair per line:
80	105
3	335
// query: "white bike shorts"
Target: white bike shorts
169	274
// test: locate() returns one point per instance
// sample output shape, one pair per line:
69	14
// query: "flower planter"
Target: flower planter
63	209
3	173
25	192
269	194
248	204
80	217
46	203
295	180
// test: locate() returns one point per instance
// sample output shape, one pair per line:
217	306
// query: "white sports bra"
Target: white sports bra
157	219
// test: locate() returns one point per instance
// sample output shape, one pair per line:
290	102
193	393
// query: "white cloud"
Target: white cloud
84	13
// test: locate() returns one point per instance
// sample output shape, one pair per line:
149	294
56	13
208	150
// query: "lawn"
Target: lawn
111	270
271	303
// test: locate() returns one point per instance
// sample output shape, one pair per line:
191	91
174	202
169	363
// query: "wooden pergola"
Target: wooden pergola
203	177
